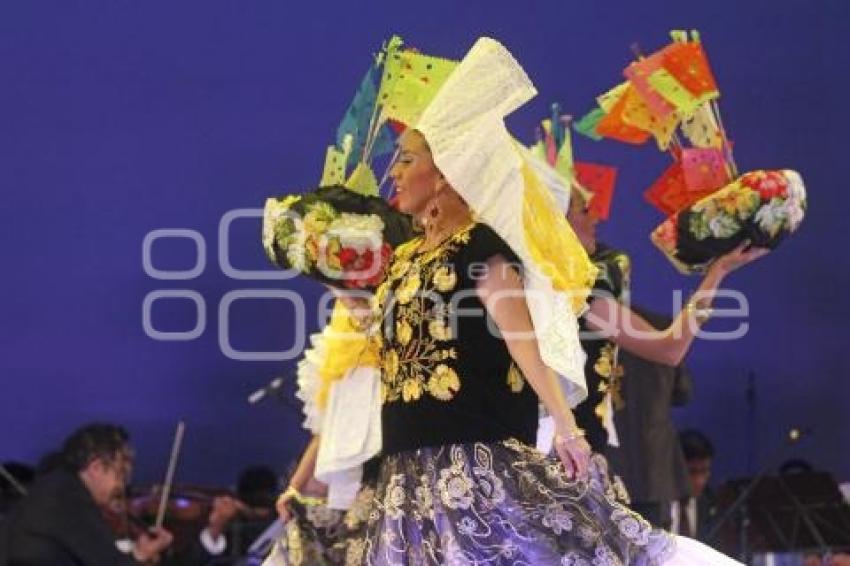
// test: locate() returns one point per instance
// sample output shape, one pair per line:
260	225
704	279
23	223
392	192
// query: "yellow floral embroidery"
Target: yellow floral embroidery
516	381
416	359
404	332
450	354
603	364
444	383
611	374
439	330
376	302
399	269
444	279
411	389
391	364
408	288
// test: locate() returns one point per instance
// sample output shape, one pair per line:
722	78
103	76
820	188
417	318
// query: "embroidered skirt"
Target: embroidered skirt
499	503
317	535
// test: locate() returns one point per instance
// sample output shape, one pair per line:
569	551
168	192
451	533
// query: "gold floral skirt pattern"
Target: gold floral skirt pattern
316	535
499	503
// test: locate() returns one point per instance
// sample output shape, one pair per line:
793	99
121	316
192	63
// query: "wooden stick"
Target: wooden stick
386	174
7	475
726	145
169	474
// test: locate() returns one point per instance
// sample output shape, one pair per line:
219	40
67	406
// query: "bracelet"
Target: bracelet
700	314
293	492
572	436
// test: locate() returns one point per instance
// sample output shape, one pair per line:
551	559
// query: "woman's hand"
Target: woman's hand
282	504
739	257
574	452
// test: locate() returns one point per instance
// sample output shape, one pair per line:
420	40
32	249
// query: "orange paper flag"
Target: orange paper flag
612	125
689	64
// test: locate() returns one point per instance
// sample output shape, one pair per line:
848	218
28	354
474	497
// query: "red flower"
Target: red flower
768	184
362	270
347	257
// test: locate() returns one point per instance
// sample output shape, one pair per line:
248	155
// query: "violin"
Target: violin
184	510
187	511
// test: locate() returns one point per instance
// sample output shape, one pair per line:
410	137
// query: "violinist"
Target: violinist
61	521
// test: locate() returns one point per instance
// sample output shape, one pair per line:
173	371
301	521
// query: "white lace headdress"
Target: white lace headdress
515	194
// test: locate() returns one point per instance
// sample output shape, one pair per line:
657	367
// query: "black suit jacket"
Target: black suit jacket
649	458
59	524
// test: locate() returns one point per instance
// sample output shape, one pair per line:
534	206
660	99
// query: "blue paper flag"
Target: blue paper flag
356	120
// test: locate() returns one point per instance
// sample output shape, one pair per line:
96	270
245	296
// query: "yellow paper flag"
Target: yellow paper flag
674	93
564	163
612	97
637	113
414	80
702	129
334	171
363	181
335	160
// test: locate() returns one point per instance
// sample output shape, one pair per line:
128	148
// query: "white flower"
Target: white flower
796	201
455	488
632	526
394	496
723	226
620	493
557	518
271	213
605	556
771	216
794	213
359	231
296	252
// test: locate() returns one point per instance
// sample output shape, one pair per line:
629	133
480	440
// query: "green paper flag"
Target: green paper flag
586	125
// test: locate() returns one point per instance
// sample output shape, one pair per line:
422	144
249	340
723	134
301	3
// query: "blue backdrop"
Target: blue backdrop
119	118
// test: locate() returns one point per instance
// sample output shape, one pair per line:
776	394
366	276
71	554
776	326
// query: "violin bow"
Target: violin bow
169	474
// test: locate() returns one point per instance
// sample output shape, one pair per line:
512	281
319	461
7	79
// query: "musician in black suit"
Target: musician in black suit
693	516
649	458
61	523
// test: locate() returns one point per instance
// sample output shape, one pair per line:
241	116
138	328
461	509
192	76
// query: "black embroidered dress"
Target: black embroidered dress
460	481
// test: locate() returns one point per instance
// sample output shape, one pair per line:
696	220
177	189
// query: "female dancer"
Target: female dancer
467	353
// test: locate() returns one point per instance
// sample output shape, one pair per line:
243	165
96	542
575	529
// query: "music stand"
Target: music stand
800	512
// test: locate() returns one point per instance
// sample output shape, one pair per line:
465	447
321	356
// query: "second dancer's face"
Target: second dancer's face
414	175
583	223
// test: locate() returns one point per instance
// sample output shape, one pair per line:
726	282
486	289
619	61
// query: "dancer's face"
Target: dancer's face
415	177
583	222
